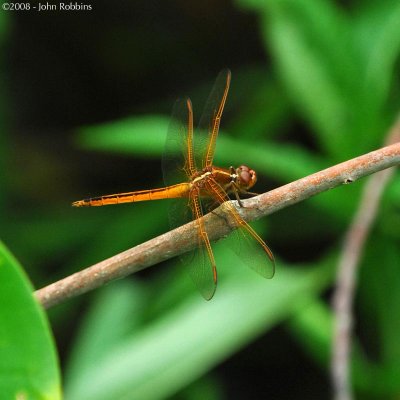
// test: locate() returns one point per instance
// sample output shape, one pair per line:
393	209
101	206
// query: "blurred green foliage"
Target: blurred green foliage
328	94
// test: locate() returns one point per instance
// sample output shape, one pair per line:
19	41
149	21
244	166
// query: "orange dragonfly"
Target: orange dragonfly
187	159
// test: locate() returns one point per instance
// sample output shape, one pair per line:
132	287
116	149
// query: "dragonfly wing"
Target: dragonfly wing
200	261
253	251
247	244
206	136
178	165
177	160
179	213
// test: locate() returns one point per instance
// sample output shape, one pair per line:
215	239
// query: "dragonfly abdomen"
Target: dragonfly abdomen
169	192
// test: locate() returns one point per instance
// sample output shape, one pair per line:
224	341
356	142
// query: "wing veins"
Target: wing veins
203	254
220	195
215	124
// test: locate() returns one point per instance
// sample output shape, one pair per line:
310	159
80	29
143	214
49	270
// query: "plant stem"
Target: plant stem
182	239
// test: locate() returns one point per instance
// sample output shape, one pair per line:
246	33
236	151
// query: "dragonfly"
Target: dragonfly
196	186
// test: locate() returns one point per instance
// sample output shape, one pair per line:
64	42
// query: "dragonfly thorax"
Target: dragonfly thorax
200	177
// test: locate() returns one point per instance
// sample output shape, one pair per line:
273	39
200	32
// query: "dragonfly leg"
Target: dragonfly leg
236	191
249	193
210	205
211	210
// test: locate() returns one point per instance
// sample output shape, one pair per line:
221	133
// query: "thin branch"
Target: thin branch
352	251
182	239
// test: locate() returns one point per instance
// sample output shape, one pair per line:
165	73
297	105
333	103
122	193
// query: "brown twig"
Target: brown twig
343	296
182	239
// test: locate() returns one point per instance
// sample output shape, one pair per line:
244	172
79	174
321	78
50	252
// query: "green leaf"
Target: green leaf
378	322
380	24
28	361
379	290
280	161
186	341
128	135
312	328
127	226
264	110
310	43
115	312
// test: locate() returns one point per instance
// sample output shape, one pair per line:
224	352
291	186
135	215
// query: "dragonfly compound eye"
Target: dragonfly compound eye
246	176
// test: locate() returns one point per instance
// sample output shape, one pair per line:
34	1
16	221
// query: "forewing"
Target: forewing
206	135
178	165
177	160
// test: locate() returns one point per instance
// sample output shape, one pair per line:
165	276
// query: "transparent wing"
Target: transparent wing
247	244
178	165
201	262
206	135
253	250
177	160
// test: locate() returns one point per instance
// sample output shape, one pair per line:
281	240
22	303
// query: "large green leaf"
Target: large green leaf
28	361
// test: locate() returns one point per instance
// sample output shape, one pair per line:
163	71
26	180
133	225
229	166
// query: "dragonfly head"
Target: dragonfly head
246	177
